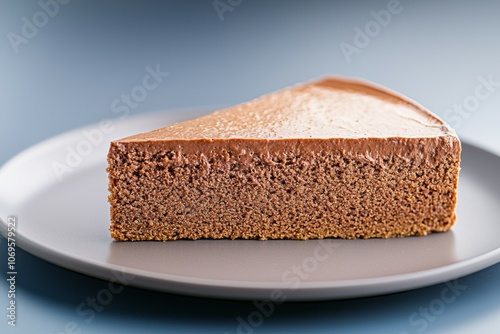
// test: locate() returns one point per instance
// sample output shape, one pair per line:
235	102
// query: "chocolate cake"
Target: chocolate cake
335	158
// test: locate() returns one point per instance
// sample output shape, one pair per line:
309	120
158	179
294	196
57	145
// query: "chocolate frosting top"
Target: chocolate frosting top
332	107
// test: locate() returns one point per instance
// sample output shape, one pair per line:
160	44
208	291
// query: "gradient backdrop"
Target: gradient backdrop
64	65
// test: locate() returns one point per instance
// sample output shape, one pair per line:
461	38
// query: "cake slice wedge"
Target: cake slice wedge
336	157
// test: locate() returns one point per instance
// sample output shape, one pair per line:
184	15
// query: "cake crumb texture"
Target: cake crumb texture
216	192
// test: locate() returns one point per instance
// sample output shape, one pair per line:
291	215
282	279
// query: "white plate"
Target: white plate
66	222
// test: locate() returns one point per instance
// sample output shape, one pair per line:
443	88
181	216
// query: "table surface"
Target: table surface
71	63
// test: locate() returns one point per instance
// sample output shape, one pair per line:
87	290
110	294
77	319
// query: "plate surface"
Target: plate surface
58	192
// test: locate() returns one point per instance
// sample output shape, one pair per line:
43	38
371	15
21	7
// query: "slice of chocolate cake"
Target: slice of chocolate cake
333	158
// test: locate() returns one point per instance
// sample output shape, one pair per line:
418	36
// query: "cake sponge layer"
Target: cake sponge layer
312	192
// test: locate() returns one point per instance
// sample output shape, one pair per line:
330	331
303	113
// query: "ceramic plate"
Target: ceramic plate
57	193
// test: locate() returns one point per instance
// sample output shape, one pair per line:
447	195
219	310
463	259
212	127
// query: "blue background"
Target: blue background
91	52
